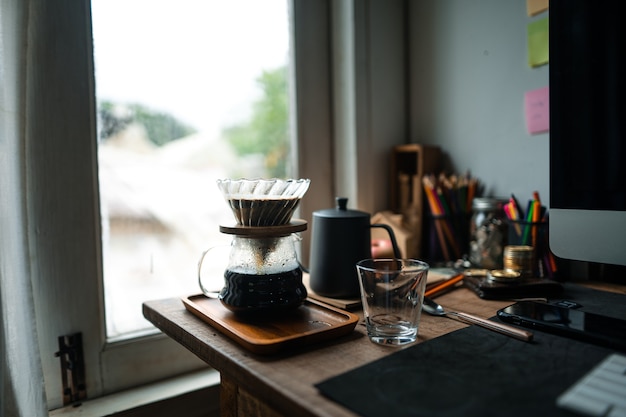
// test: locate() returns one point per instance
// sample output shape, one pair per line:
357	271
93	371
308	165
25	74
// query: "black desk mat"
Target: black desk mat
476	372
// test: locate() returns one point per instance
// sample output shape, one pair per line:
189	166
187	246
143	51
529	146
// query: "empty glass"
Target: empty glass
392	291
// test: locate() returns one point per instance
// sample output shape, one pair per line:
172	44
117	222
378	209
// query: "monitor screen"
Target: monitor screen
588	131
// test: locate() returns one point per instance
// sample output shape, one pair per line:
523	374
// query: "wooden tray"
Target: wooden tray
310	323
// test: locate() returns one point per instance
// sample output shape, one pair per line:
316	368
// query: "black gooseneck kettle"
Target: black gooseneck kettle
339	239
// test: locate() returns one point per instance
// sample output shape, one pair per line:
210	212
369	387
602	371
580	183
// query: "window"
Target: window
63	225
187	92
63	204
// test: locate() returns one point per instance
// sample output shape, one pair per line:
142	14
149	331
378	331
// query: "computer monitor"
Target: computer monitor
588	131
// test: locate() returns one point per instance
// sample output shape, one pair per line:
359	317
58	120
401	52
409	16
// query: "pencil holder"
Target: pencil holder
445	240
535	234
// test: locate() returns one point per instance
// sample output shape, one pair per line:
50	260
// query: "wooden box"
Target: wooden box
409	163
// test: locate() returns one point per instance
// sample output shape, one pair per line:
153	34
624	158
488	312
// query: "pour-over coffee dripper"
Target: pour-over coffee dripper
263	272
263	202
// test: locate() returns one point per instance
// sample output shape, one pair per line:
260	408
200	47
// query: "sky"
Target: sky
195	59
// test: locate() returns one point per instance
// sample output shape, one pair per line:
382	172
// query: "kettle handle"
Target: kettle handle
392	236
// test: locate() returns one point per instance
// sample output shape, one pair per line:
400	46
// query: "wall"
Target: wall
468	75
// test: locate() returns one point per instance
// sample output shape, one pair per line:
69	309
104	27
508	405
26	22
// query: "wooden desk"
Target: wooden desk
283	385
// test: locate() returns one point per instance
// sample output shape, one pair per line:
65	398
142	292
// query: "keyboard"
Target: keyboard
601	392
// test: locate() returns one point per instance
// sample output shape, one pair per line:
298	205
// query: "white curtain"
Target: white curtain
22	390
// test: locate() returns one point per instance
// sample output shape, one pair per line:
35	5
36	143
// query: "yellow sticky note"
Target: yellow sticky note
534	7
538	51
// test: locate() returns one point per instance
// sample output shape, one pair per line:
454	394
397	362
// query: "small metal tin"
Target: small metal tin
504	275
519	258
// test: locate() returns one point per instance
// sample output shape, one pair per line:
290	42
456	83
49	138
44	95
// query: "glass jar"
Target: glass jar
488	231
263	275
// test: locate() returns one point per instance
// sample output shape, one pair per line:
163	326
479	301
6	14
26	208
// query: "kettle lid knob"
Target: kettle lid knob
342	203
341	211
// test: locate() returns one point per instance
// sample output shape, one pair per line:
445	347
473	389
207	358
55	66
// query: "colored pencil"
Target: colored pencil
437	288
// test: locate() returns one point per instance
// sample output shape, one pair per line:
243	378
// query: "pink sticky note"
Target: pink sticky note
537	108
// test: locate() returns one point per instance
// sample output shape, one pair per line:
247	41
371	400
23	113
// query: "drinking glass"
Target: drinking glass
392	291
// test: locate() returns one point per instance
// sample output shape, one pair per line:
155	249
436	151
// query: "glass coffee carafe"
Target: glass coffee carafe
263	273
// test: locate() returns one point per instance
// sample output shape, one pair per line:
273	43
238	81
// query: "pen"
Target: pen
536	214
536	197
518	208
437	288
529	219
513	214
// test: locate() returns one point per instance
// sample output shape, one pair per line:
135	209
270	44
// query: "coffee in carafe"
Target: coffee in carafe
262	275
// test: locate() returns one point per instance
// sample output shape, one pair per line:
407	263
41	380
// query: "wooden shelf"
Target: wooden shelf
409	163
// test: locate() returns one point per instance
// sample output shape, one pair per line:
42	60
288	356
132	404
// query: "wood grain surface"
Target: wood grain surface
285	383
308	324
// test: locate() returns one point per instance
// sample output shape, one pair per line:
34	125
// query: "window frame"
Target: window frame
62	227
62	206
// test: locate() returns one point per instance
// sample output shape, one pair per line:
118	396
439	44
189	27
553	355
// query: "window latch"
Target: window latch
72	368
